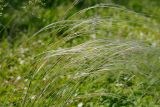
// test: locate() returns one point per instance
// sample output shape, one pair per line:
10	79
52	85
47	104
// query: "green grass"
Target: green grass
104	55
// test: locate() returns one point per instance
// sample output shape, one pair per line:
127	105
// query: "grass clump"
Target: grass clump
99	72
101	56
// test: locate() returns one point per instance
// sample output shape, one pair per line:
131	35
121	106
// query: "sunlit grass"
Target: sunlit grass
103	55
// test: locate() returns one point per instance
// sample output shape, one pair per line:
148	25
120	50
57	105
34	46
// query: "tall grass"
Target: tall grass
95	71
103	55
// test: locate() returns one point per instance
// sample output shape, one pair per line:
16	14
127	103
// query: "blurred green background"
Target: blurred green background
24	17
139	21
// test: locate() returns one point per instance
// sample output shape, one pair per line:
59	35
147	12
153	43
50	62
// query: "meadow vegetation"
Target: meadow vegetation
79	53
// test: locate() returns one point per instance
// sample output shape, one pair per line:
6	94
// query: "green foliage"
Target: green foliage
91	53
